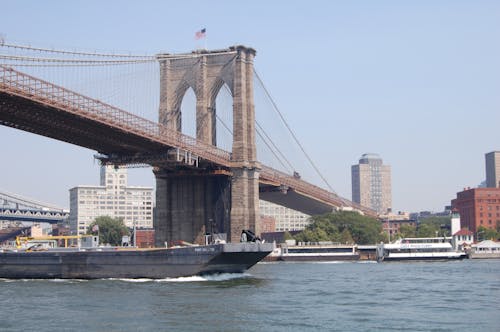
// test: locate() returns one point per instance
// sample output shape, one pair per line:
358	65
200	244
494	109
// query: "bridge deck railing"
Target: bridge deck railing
26	86
18	83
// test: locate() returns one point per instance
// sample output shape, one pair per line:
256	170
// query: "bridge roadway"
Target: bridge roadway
31	104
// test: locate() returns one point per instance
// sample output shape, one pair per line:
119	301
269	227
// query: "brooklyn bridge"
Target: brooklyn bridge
198	183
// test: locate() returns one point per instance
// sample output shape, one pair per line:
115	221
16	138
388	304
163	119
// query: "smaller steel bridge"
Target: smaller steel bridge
16	208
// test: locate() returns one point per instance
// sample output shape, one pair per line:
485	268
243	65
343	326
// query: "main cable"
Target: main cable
291	131
48	50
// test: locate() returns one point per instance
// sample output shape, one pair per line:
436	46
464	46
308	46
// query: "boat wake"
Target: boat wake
209	278
212	277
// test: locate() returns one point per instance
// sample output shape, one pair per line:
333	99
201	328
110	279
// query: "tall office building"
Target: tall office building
493	169
371	183
112	198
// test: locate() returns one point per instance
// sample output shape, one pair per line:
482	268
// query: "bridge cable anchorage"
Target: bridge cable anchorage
48	50
291	131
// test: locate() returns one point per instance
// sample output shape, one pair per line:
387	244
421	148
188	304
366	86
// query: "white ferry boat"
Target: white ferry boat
431	248
320	251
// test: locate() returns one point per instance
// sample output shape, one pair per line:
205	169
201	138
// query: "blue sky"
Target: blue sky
417	82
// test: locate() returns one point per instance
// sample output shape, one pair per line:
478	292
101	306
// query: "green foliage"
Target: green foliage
429	226
407	231
344	227
427	230
111	230
484	233
287	236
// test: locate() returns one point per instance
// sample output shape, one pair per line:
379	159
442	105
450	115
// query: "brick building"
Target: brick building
478	207
392	227
145	238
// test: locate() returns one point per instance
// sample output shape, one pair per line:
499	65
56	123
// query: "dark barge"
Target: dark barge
97	263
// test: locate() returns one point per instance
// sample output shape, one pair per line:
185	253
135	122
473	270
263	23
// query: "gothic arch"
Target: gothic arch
206	72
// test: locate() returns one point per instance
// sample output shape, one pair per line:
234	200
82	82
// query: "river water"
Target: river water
418	296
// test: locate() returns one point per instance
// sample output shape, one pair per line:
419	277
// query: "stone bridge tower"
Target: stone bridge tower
190	203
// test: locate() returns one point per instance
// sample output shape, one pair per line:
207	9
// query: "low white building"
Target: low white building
113	198
485	249
462	239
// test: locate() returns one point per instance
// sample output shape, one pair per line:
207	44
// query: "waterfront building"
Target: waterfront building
478	207
285	219
371	183
493	169
113	198
392	226
462	239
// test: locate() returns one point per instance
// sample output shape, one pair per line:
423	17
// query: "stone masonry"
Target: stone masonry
186	204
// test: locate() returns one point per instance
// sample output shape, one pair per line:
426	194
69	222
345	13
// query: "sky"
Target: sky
417	82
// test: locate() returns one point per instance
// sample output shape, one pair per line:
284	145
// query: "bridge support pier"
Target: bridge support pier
183	201
245	202
189	205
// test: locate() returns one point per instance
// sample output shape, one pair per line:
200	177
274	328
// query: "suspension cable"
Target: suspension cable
223	124
81	61
261	135
272	151
48	50
274	145
291	131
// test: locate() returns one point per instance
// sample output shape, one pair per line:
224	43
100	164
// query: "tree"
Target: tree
111	230
484	233
346	237
427	230
441	224
407	231
343	226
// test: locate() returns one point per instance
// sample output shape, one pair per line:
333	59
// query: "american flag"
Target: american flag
200	34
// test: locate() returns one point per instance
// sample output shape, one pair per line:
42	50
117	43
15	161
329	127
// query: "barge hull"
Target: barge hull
153	263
